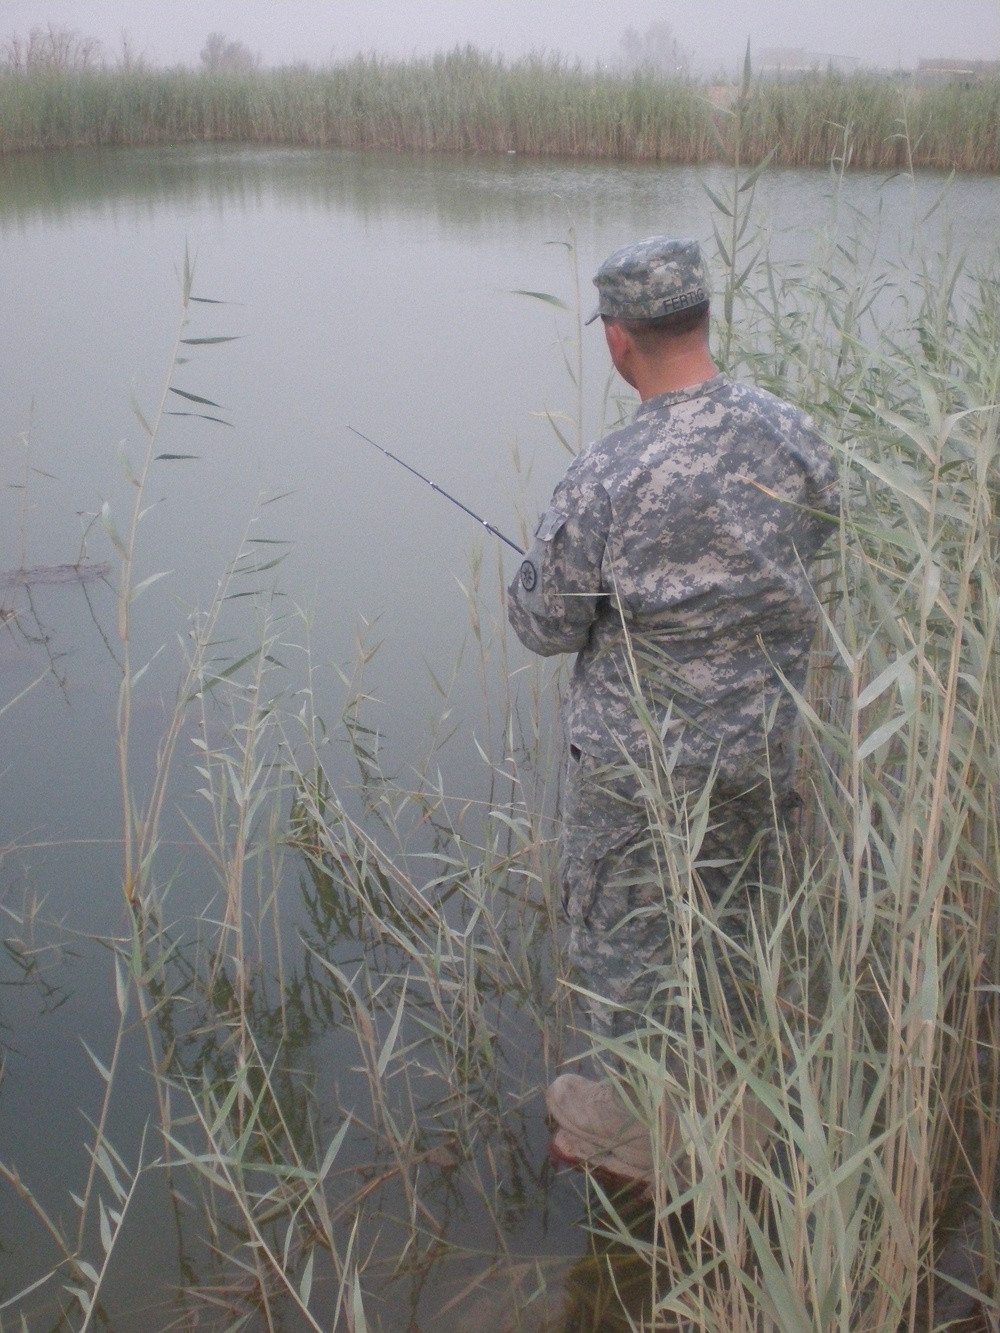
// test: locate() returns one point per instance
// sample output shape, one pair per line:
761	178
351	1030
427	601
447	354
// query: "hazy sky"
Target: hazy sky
881	32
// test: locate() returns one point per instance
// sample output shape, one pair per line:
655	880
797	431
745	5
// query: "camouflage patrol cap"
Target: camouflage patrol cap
652	278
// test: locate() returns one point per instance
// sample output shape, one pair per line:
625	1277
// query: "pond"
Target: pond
334	290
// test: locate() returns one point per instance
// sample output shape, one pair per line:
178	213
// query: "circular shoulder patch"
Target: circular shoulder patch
529	576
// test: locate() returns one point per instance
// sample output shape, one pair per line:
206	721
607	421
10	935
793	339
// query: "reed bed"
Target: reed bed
466	101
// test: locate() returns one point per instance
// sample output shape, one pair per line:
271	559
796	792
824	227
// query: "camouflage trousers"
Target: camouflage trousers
661	888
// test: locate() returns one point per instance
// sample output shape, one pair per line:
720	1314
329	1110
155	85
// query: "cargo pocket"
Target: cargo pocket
578	888
587	874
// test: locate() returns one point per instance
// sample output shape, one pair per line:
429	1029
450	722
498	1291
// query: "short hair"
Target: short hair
648	333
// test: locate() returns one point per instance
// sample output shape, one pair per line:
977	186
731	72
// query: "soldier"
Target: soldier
673	560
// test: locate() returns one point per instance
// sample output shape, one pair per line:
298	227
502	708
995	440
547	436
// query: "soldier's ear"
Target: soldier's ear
621	347
615	336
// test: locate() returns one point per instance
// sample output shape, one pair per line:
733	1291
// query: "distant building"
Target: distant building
792	62
957	71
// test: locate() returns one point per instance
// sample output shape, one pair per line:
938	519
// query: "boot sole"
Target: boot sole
605	1166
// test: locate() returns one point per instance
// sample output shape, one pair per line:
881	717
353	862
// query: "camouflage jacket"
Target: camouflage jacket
673	558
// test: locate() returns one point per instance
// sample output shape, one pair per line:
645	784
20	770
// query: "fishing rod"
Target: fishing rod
435	487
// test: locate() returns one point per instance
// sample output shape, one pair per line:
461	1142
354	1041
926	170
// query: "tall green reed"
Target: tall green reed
466	101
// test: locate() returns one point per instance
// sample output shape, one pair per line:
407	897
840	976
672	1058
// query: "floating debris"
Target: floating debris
85	572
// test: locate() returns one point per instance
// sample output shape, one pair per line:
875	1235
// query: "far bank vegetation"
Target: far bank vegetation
56	92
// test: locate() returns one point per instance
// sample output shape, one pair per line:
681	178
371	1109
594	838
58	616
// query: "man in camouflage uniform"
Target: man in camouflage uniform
673	559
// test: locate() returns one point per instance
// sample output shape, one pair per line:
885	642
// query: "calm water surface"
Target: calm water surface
363	290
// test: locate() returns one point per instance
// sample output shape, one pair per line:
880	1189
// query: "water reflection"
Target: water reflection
451	192
478	195
34	963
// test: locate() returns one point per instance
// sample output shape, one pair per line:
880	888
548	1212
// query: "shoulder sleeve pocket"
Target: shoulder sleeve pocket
549	524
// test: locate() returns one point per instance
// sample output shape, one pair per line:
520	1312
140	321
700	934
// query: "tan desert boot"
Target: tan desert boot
597	1128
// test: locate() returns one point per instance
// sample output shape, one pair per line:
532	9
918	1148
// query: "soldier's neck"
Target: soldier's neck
683	368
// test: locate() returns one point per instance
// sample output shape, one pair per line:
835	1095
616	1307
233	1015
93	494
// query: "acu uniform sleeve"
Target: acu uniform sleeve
556	594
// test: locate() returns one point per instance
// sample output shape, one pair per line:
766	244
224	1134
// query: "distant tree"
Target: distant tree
655	49
129	58
51	49
220	55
